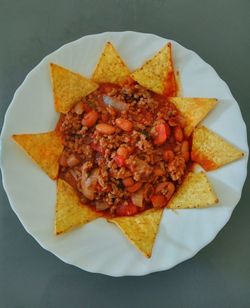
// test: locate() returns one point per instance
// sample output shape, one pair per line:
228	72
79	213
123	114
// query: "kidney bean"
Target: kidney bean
105	129
178	134
90	118
124	124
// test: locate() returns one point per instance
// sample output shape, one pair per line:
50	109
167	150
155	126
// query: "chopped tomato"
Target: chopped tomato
158	200
126	209
86	107
163	132
120	161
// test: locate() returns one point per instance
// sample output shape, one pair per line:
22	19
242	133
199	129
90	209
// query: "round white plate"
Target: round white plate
100	246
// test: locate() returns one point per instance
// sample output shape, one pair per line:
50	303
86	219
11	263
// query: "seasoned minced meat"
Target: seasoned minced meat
116	151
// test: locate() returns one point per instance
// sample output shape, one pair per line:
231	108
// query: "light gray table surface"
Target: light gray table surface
219	275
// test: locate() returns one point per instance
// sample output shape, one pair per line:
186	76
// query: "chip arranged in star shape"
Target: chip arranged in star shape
209	150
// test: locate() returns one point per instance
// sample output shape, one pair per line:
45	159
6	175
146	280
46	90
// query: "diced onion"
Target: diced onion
101	205
87	183
72	161
75	173
137	198
114	103
88	191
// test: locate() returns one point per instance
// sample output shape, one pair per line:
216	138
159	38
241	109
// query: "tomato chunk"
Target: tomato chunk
163	132
126	209
120	161
158	200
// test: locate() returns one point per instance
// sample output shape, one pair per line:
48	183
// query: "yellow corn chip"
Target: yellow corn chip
70	212
44	148
141	229
110	67
69	87
194	110
157	74
195	192
211	151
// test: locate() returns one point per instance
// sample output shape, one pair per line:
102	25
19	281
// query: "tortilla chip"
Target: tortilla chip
69	87
141	229
45	149
211	151
157	74
194	110
110	68
70	212
195	192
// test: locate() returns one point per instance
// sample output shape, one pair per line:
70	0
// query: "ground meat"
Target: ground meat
115	163
141	169
176	168
143	144
71	123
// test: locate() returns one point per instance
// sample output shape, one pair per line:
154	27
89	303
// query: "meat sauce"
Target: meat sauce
124	149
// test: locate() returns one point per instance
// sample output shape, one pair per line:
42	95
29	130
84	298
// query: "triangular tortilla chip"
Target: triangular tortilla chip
195	192
70	212
211	151
44	148
194	110
157	74
141	229
110	68
69	87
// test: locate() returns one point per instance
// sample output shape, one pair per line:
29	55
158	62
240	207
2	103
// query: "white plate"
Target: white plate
99	246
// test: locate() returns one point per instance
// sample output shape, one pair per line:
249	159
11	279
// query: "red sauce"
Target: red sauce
171	85
171	88
201	159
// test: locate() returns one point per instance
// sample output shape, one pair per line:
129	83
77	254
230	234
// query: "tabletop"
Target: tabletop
219	275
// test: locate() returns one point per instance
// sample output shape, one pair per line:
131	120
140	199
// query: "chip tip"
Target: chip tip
52	65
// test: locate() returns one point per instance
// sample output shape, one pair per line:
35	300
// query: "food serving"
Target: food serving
124	149
125	145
